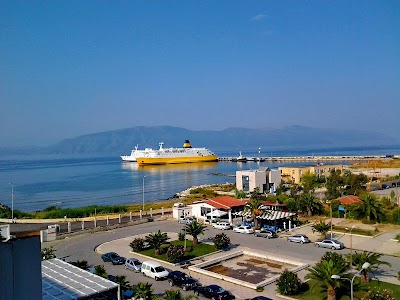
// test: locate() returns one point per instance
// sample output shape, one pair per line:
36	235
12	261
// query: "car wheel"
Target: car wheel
156	278
184	288
171	283
143	274
212	298
316	245
333	248
196	293
301	242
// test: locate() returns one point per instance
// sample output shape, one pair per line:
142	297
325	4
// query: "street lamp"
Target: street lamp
12	202
143	192
351	246
365	266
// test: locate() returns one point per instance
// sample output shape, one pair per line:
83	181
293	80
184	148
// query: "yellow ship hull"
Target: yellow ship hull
175	160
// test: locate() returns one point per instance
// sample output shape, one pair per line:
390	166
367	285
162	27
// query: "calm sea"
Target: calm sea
79	181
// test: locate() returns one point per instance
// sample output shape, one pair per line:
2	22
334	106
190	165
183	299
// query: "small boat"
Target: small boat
241	158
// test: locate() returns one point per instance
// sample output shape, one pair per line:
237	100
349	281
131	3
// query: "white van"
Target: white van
154	270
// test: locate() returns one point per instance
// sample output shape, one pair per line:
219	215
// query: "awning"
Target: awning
268	215
217	213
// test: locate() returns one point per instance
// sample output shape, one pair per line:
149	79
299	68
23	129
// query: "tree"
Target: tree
121	280
100	270
322	272
240	194
370	209
254	208
173	295
359	258
310	204
195	229
137	245
288	283
309	182
144	291
336	258
175	253
156	240
322	228
333	183
83	264
48	253
221	241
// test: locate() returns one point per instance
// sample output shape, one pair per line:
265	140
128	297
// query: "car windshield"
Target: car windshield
335	241
136	263
159	269
220	290
114	255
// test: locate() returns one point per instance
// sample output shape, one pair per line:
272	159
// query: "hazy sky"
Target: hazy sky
75	67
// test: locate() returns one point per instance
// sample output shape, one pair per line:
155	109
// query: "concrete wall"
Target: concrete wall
20	269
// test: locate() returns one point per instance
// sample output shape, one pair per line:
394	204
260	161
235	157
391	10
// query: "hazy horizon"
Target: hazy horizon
70	68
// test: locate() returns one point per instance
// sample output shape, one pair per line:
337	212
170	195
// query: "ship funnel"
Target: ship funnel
187	144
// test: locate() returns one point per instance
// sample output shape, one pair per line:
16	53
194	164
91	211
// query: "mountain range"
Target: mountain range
121	141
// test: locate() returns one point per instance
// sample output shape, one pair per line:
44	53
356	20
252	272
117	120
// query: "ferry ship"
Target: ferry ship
187	154
135	153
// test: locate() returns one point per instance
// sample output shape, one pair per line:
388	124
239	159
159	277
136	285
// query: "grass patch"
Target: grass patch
314	291
355	231
198	250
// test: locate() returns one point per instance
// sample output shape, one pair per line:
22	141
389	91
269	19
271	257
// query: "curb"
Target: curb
284	297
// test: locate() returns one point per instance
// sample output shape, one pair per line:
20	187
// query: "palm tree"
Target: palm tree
322	272
173	295
123	283
157	239
322	228
309	203
371	209
359	258
144	291
195	229
83	264
254	208
100	271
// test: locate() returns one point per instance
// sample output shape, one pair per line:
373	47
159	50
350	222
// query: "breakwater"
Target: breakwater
303	158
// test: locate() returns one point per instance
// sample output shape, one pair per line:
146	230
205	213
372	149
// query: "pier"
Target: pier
318	158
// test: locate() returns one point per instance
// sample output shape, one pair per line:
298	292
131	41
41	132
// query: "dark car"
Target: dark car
385	186
259	298
182	280
213	291
114	258
396	184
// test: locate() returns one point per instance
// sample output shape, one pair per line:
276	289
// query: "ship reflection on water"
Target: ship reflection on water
169	168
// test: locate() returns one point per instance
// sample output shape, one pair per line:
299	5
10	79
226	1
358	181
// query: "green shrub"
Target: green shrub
181	235
221	241
288	283
175	253
378	294
137	245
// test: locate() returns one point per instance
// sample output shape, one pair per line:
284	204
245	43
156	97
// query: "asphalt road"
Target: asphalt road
82	247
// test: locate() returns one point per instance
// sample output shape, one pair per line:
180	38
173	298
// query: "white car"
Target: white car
331	244
222	225
243	229
183	220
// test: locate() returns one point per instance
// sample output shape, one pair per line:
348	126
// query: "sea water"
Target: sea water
41	182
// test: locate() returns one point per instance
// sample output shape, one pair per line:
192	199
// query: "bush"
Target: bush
181	235
175	253
288	283
379	294
137	245
221	241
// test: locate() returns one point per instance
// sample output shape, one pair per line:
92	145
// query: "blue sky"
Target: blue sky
76	67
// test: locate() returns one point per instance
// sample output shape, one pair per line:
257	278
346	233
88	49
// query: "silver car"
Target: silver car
133	264
331	244
298	238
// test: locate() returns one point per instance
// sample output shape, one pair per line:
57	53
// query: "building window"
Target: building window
245	183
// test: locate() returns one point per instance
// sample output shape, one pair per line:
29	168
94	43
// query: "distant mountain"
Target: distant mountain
295	137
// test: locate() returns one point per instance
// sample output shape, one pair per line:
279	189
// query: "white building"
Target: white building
264	179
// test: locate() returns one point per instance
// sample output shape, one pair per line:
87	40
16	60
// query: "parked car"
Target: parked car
396	184
332	244
183	220
154	270
243	229
182	280
213	291
266	234
259	298
222	225
133	264
114	258
298	238
385	186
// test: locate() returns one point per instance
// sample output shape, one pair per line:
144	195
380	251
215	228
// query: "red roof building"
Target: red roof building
350	200
225	202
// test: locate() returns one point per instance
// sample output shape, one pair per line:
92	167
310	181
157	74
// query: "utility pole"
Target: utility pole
143	192
12	202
